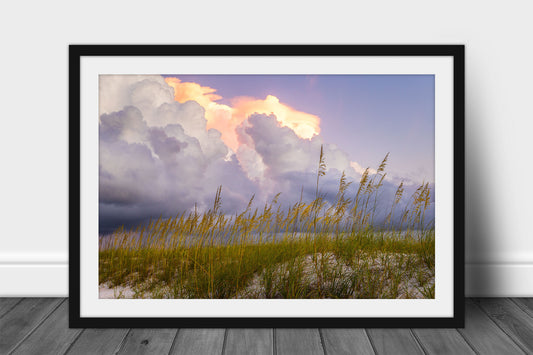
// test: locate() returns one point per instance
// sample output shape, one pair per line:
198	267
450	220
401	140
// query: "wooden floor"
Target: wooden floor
40	326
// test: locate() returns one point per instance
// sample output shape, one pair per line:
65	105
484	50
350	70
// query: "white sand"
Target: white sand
115	292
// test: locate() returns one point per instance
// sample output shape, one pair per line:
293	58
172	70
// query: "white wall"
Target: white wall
34	104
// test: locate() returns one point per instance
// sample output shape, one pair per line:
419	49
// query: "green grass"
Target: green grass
311	250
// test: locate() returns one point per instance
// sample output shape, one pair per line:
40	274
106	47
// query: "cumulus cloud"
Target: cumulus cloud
226	118
282	150
163	156
157	157
280	161
143	91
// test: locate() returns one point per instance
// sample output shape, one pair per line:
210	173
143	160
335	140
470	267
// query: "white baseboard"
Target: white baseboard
49	279
499	280
34	280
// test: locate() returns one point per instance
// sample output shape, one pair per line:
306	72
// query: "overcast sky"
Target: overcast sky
167	142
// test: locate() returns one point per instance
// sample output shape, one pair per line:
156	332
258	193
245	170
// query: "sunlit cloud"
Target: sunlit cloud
305	125
225	118
360	170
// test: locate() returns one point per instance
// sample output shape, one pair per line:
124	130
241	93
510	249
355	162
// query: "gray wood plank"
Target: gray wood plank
148	341
249	341
6	304
53	335
99	341
443	341
484	335
23	319
346	341
199	341
526	304
298	341
394	341
40	326
511	319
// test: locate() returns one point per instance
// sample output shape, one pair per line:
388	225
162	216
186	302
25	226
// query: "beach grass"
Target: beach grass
310	250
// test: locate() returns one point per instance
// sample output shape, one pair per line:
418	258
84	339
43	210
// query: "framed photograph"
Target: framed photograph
266	186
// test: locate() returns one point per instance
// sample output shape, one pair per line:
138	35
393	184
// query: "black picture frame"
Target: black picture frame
77	52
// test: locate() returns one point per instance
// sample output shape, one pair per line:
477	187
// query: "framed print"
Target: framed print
266	186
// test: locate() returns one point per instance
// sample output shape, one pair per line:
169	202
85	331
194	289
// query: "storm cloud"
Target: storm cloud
157	157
